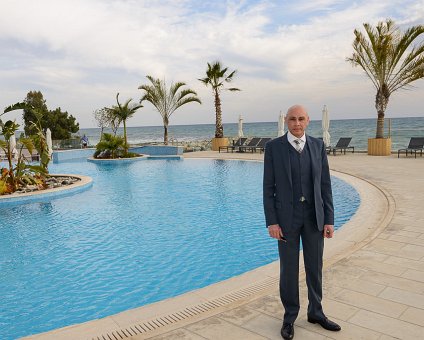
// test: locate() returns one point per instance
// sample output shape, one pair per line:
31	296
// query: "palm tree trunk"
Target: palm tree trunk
380	125
165	130
125	137
381	101
219	129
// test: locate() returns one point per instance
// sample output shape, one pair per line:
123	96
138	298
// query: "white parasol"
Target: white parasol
49	142
325	126
240	126
281	124
12	143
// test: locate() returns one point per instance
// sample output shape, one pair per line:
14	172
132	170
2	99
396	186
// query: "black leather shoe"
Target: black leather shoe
287	331
326	324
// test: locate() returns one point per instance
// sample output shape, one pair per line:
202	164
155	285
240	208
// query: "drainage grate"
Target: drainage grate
189	312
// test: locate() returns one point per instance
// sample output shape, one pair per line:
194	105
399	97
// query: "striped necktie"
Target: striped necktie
298	143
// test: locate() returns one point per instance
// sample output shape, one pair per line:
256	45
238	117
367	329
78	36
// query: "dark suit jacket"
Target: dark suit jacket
277	184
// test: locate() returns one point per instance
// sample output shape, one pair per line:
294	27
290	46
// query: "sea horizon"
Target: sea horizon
401	130
259	122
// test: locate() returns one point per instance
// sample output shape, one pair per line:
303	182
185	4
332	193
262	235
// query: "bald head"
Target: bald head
297	120
297	108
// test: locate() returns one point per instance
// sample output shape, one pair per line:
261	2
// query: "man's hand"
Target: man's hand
328	231
274	231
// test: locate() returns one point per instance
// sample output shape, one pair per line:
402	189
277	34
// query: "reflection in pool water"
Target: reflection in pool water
144	232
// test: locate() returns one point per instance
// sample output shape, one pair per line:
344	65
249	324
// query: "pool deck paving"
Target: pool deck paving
373	273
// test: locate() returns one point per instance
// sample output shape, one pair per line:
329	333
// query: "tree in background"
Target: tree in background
382	54
60	123
35	102
121	113
106	119
166	102
216	75
20	172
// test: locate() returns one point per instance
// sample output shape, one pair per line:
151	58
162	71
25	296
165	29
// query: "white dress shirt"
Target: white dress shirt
291	138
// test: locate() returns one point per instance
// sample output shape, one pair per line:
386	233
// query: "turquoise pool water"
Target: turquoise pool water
143	232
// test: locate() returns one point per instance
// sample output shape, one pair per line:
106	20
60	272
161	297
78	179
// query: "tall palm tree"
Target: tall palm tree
167	101
216	75
123	113
382	54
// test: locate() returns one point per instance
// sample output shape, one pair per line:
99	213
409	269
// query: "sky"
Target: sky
80	53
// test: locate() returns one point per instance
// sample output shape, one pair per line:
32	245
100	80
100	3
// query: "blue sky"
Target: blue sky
80	53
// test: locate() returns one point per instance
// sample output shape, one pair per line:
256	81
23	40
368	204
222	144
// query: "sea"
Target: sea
399	129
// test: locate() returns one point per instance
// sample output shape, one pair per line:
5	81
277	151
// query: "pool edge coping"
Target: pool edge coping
29	197
176	312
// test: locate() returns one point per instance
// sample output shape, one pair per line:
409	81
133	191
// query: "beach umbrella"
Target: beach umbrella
49	143
240	126
281	124
12	142
325	126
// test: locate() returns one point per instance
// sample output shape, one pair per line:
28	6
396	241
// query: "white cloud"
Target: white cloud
80	53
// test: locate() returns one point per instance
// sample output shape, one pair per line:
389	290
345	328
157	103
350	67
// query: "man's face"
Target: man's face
297	121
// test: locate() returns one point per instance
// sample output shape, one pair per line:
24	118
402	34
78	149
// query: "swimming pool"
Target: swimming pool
144	232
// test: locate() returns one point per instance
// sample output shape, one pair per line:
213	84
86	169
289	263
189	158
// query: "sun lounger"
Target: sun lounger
249	146
261	145
415	144
235	145
34	156
342	145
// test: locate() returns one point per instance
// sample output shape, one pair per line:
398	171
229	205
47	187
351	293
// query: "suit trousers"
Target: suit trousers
304	227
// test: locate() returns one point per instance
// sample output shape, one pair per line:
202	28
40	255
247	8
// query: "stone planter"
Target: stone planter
379	146
217	142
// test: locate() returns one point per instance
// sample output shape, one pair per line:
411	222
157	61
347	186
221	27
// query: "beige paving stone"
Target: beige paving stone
371	303
387	325
268	304
413	229
348	331
270	328
305	334
404	233
407	263
379	267
345	266
181	334
341	280
404	239
336	309
414	275
216	328
384	246
413	251
369	255
387	337
413	315
395	282
264	325
239	315
404	297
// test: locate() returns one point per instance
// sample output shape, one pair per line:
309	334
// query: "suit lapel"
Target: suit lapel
311	148
286	157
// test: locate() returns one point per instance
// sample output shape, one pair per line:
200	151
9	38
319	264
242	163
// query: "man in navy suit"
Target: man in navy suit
298	203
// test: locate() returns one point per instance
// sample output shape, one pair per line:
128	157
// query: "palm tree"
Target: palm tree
216	75
382	55
113	145
122	113
166	102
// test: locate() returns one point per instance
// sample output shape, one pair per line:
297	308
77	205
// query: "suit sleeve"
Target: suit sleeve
269	188
326	191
